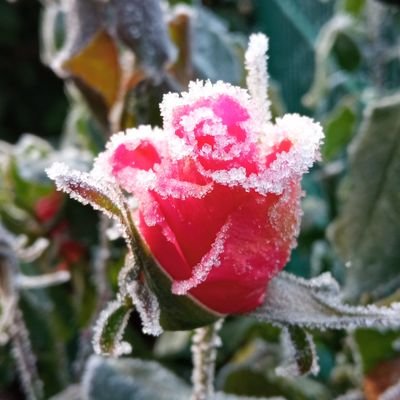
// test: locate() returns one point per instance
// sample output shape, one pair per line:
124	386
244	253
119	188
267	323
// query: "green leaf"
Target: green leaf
315	303
215	51
346	51
385	349
88	189
326	41
302	22
339	128
177	312
110	328
353	7
301	351
367	233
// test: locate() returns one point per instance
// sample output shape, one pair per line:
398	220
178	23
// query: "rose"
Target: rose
218	192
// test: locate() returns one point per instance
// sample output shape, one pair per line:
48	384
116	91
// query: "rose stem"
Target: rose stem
204	353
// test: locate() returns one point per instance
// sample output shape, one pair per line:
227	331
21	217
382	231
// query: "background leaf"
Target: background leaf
367	233
130	379
97	66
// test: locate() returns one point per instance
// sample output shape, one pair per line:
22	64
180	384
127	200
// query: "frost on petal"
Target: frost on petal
131	158
203	268
289	149
215	119
199	92
306	137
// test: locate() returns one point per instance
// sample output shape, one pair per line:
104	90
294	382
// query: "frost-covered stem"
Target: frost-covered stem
14	322
42	281
25	359
204	352
375	18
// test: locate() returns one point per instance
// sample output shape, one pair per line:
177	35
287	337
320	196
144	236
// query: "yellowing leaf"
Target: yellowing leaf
98	67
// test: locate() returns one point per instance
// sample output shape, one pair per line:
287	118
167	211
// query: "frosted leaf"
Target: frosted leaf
203	268
24	357
42	281
7	310
34	251
142	297
130	378
128	273
257	77
147	305
300	353
109	329
89	188
316	304
85	188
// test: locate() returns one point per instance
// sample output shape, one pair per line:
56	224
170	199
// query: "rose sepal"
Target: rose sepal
177	312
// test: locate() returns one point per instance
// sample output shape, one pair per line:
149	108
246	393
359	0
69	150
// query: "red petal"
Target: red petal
144	156
255	249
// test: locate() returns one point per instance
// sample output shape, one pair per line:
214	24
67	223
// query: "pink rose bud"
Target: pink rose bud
217	192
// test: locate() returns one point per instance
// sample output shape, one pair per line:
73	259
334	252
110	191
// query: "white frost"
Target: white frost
257	77
119	347
316	304
203	268
290	367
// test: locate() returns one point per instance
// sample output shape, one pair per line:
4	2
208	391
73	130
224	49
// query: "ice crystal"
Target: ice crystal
107	337
32	252
142	297
42	281
99	191
316	304
147	305
293	356
204	349
257	76
203	268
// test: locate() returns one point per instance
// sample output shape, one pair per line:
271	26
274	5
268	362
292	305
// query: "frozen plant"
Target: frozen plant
218	210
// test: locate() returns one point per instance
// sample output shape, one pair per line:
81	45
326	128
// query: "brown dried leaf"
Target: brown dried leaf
97	66
381	378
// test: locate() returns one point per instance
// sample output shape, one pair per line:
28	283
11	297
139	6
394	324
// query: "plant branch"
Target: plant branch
204	351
